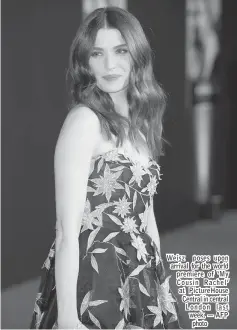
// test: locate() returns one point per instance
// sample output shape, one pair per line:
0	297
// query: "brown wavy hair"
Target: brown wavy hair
146	98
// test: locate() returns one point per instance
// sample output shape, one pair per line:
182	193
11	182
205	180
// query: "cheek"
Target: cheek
94	69
127	65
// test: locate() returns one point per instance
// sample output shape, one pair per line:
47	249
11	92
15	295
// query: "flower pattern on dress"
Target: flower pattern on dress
39	314
144	217
165	297
140	246
156	310
87	218
107	183
122	206
125	298
121	280
129	226
151	187
47	262
137	172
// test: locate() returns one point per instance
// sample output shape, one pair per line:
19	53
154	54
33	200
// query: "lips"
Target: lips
110	77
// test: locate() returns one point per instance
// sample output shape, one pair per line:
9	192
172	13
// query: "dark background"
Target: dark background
164	25
36	36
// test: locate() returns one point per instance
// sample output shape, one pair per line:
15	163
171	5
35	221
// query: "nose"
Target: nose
109	61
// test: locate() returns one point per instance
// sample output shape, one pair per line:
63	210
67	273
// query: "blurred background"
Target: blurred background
195	60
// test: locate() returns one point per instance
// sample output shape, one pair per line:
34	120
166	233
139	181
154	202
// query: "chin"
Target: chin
113	89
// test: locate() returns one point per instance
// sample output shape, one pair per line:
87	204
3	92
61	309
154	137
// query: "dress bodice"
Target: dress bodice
119	191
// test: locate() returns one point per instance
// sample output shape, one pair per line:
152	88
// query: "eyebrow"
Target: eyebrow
115	47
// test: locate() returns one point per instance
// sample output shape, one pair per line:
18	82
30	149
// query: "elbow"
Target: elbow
65	241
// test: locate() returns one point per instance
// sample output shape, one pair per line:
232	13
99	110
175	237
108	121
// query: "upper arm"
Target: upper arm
74	150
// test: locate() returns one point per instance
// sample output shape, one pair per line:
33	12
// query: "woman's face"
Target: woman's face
110	61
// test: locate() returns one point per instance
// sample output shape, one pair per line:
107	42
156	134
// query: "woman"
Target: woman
105	263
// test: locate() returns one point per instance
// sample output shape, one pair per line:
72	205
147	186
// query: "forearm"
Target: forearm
66	275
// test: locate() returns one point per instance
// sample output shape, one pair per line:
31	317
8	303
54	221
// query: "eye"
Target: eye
95	54
122	51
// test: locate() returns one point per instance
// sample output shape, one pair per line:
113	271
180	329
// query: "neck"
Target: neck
120	102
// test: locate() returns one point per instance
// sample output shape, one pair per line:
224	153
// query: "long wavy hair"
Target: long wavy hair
146	98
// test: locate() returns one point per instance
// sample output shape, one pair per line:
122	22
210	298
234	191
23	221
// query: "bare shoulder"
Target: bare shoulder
84	112
80	131
83	116
81	121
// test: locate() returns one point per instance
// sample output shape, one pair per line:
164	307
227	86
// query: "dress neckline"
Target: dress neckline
128	156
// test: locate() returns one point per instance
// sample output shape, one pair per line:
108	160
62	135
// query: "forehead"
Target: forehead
108	38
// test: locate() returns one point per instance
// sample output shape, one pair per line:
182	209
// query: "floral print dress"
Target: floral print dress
121	281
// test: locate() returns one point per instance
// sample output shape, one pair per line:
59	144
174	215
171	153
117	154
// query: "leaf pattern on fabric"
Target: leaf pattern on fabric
120	325
137	270
97	302
147	280
94	320
110	236
85	302
127	190
121	251
115	219
92	237
98	251
134	200
94	263
121	280
143	289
